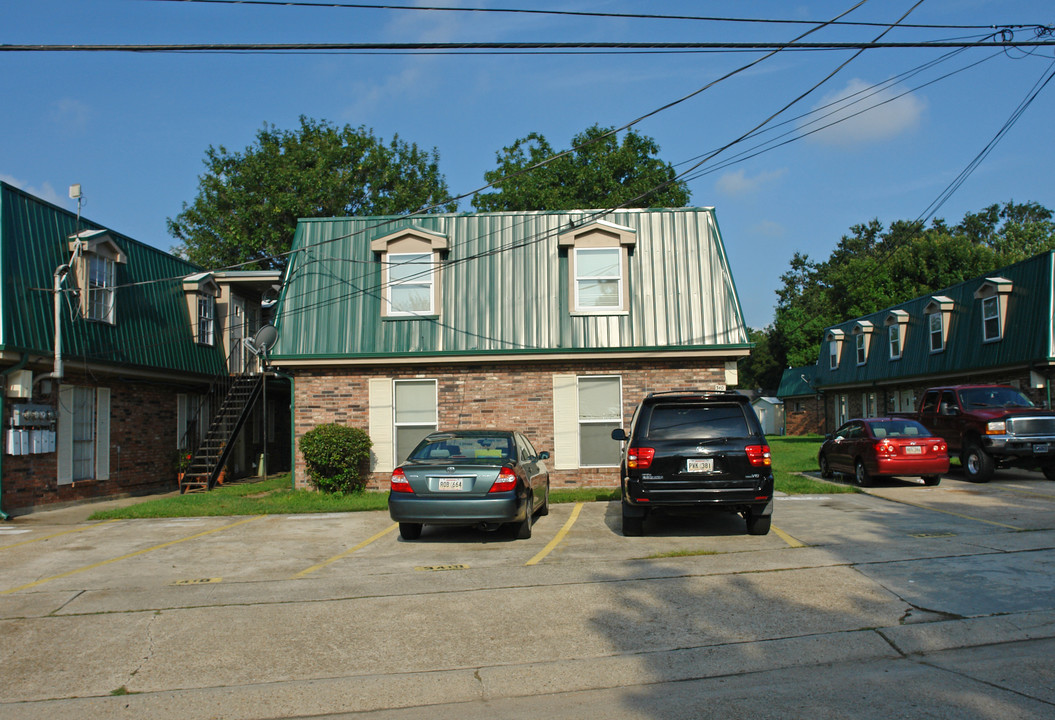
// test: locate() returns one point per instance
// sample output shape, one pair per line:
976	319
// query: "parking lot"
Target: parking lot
905	600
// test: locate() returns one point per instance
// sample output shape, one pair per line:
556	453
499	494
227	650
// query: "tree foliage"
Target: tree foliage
875	267
597	172
249	202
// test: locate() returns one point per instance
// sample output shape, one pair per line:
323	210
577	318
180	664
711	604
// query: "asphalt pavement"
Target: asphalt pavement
903	601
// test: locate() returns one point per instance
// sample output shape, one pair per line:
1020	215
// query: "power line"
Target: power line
574	13
470	48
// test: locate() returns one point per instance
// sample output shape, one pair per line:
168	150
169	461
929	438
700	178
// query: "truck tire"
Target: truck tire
978	465
1049	471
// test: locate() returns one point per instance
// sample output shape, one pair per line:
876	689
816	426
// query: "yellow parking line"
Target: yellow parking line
559	536
129	555
950	512
792	542
55	535
346	553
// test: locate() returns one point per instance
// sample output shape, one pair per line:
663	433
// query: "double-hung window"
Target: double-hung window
414	411
101	289
936	332
600	412
410	279
991	318
895	341
598	279
206	319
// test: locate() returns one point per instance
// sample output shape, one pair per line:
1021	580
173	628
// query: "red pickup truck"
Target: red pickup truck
990	426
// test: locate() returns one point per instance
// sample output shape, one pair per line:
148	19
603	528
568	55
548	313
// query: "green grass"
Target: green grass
275	496
795	455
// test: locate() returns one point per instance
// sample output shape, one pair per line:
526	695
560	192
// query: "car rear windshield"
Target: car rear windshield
694	422
474	448
898	429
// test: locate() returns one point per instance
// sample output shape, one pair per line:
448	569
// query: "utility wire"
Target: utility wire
569	13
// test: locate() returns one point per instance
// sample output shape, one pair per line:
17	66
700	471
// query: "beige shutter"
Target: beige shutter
565	422
381	424
102	433
65	438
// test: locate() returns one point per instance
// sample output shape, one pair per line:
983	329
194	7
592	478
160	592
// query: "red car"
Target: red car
874	447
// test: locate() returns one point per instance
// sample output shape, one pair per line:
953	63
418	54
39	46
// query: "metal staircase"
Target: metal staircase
208	459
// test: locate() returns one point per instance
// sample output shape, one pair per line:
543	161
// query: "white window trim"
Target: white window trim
423	279
894	337
835	349
619	280
102	296
994	302
206	322
931	331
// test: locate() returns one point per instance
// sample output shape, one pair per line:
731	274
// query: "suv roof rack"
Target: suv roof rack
696	392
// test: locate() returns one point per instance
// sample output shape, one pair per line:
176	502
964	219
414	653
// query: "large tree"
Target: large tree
597	172
873	268
248	202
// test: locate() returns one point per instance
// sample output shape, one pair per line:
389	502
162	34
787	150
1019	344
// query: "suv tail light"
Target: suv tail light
758	455
506	481
640	458
399	482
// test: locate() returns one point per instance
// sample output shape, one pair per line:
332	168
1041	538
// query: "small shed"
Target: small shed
770	412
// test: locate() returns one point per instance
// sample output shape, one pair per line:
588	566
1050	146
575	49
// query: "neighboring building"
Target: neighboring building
142	343
770	412
803	404
998	328
552	323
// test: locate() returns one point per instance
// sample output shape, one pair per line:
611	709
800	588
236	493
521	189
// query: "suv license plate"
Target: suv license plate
700	465
1040	448
449	484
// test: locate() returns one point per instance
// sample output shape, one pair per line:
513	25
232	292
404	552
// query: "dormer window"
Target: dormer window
993	295
835	347
202	291
938	313
862	339
94	266
598	267
896	323
410	272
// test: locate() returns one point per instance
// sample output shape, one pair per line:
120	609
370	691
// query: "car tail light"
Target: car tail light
940	447
885	448
758	455
507	480
400	483
640	458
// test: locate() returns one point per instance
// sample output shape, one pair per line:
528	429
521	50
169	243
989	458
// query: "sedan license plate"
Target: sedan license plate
1040	448
913	450
449	484
700	465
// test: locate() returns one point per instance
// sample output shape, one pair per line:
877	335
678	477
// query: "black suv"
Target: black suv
696	450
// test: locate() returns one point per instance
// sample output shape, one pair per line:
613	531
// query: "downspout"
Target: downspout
3	391
292	428
56	374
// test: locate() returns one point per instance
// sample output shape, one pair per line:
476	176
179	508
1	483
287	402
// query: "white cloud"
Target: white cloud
862	115
44	192
72	116
768	228
738	183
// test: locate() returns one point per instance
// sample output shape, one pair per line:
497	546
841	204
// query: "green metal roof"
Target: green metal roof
795	382
1027	333
152	329
505	286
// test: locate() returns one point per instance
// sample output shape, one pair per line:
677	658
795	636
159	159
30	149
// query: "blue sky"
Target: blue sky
133	128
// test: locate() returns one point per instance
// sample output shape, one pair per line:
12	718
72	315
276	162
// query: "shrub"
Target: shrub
337	457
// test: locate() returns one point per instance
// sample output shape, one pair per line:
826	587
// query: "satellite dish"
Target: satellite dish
263	341
265	338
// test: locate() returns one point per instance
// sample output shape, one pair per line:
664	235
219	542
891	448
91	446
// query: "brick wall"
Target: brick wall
142	449
508	396
804	415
